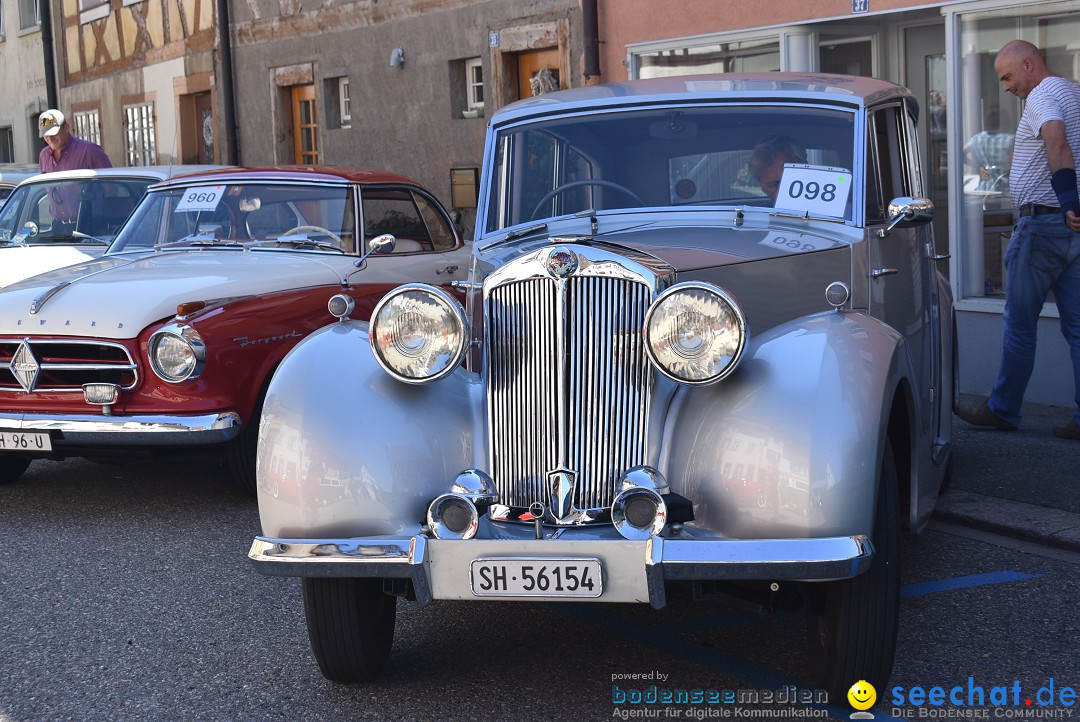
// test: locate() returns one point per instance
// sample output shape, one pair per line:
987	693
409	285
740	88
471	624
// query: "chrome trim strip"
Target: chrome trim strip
39	343
119	430
819	559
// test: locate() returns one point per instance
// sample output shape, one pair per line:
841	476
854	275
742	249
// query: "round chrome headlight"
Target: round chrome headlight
177	353
419	333
695	333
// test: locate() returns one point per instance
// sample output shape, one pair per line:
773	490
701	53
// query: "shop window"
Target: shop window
988	117
733	57
140	146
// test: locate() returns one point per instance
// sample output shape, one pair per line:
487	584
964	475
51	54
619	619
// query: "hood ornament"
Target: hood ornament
561	262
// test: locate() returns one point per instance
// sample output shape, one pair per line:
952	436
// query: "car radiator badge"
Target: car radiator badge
24	367
562	482
562	262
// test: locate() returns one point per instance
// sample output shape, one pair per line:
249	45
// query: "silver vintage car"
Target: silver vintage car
706	342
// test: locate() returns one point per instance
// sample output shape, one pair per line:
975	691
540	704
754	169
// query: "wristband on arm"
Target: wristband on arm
1064	183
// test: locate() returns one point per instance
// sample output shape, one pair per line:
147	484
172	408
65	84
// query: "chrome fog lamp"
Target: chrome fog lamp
101	394
176	352
695	333
452	516
638	513
639	510
419	333
340	306
477	487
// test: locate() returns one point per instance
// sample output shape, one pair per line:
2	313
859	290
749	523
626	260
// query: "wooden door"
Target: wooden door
532	62
305	125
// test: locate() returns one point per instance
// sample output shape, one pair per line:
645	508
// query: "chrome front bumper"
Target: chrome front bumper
119	430
634	571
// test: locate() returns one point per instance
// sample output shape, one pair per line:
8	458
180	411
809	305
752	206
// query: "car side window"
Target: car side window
887	172
442	236
395	212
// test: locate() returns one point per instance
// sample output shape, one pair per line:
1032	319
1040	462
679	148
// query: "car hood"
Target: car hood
686	244
118	296
19	262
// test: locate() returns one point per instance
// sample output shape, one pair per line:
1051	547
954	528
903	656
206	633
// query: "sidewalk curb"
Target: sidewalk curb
1045	525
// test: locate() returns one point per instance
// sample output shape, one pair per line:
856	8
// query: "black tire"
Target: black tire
242	450
852	623
351	625
12	467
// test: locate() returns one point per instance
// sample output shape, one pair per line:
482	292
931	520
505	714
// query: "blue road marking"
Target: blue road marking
974	580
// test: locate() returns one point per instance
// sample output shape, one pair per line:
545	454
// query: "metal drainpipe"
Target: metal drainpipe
591	31
51	93
225	81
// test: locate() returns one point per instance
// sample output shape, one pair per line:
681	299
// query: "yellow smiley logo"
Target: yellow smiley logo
862	695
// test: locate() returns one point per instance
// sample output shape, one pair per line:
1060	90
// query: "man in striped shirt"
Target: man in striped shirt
1044	251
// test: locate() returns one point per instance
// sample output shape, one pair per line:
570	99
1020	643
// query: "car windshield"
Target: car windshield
291	215
84	210
720	155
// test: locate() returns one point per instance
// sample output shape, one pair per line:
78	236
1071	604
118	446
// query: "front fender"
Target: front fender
790	444
345	450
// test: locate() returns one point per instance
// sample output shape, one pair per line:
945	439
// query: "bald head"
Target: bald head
1020	67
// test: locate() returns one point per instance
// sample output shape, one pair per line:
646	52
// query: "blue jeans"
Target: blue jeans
1043	256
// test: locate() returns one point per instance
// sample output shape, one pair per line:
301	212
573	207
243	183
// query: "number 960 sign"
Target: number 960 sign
814	189
200	198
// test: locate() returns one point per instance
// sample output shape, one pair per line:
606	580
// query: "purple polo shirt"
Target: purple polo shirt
77	153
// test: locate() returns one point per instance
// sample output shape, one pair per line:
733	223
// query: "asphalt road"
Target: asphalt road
127	595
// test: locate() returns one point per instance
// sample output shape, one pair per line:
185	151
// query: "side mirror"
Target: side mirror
382	244
907	212
379	244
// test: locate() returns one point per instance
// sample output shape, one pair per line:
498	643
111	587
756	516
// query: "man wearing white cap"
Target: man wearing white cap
65	151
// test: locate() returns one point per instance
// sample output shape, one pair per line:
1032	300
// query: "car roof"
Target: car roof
153	172
318	174
11	173
817	87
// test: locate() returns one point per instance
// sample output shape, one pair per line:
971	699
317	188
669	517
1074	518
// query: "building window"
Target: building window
474	83
731	57
344	105
139	144
86	124
93	10
7	145
988	118
2	29
29	14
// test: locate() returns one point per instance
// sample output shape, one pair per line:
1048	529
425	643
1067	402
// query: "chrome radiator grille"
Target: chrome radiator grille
50	365
569	385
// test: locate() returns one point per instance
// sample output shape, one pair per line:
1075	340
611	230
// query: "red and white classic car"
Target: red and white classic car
168	341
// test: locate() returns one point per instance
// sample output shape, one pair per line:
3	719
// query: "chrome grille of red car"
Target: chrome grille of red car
569	385
52	365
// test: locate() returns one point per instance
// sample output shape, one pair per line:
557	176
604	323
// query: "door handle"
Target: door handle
879	272
449	270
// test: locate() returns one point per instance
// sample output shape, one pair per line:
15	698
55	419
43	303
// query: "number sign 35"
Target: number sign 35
814	189
202	198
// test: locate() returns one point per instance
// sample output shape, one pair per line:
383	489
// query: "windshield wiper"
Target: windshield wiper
517	233
805	216
297	241
205	239
87	238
